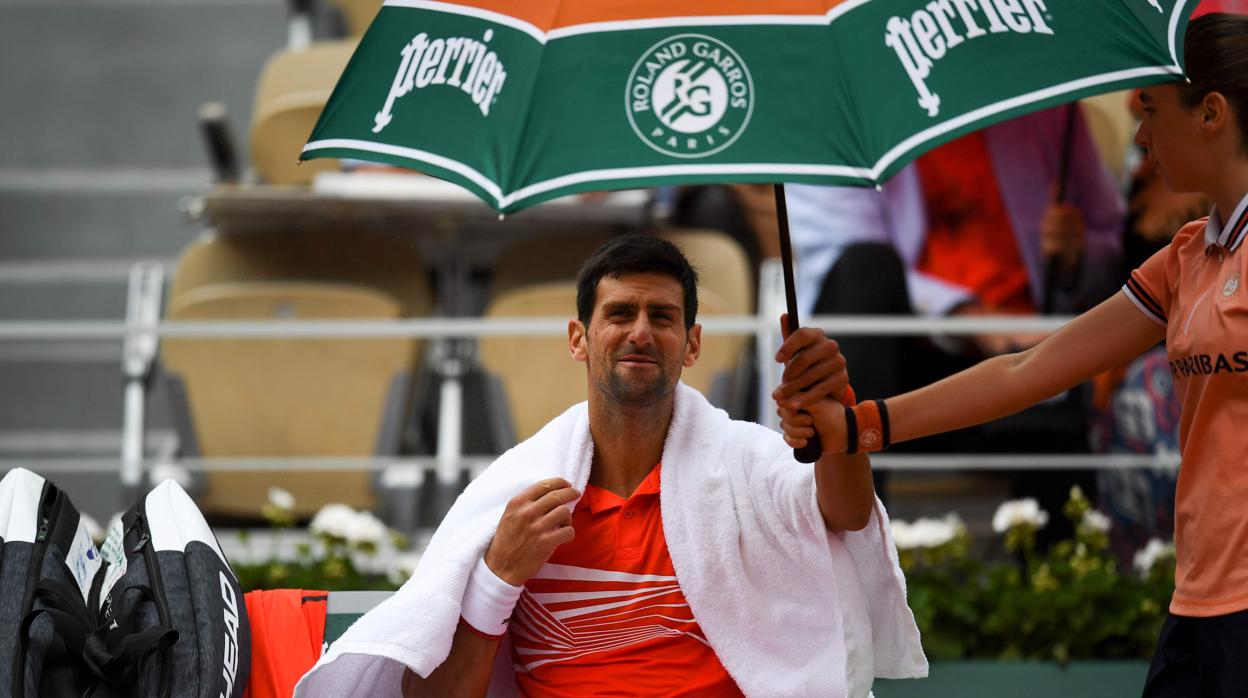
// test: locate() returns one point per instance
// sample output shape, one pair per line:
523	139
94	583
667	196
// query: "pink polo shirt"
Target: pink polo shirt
1197	288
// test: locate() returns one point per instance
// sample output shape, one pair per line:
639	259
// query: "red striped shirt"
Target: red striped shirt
606	617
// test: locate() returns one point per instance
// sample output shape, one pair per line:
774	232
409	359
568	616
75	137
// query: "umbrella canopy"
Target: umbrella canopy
523	101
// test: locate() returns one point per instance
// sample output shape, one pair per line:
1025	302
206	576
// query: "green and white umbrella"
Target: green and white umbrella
525	100
521	101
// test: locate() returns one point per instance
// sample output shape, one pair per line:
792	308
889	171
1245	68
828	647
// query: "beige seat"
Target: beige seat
1112	127
539	378
387	263
358	14
721	264
293	397
725	287
294	86
545	258
724	275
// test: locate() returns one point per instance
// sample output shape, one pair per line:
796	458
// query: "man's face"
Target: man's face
635	343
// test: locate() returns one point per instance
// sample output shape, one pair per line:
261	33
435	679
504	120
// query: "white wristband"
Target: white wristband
488	600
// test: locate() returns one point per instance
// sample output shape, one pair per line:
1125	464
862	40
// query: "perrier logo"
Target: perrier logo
689	96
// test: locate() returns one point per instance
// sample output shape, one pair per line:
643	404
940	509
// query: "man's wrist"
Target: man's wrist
488	601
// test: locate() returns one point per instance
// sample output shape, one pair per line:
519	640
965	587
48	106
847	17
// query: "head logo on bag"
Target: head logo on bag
229	668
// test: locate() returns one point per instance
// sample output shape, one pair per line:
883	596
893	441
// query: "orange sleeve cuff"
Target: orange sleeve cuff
868	428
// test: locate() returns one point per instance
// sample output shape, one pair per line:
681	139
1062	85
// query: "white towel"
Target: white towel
746	539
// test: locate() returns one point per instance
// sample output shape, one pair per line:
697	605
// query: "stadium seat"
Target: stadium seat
295	397
539	378
545	258
357	14
1112	127
721	264
294	86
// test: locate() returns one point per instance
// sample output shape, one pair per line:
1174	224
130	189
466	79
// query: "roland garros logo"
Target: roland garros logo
689	96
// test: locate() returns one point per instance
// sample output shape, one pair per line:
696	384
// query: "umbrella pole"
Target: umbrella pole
814	447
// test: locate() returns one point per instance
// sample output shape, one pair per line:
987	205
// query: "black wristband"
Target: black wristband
851	431
888	437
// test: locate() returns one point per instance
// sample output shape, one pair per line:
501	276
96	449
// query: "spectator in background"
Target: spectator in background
1135	408
745	212
972	227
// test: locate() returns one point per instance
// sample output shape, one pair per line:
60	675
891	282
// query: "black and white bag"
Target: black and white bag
47	564
155	612
163	569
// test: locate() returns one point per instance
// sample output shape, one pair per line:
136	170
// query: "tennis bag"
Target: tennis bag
47	564
166	591
155	612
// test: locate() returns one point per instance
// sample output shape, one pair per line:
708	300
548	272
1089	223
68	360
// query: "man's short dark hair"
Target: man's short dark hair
636	254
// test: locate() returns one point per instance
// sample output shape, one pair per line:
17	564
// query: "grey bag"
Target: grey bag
155	612
47	564
164	571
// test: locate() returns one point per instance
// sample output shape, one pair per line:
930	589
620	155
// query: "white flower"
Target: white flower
1094	520
403	567
281	499
355	527
367	528
1019	511
333	520
1148	556
926	532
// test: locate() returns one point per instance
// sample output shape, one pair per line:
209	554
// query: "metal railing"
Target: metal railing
551	326
139	336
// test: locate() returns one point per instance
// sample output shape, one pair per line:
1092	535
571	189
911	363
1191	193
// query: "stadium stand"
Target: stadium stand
357	14
295	397
293	87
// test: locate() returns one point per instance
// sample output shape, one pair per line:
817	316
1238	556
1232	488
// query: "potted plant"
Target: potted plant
340	555
1069	621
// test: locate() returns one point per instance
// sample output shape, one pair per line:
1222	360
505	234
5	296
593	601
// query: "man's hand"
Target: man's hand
814	379
534	523
1062	235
